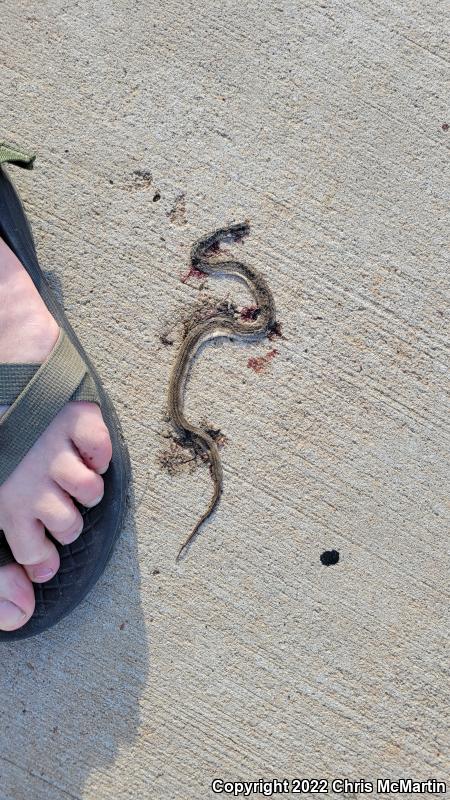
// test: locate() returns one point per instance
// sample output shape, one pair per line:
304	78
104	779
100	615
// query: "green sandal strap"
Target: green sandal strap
15	377
12	154
53	384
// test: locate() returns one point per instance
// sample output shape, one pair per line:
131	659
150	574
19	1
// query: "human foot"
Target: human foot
66	462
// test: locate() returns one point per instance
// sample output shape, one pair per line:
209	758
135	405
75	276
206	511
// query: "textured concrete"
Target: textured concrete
323	123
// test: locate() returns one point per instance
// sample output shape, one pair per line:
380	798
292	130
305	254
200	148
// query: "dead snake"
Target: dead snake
203	260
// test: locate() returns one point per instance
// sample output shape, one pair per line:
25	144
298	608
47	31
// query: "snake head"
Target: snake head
210	244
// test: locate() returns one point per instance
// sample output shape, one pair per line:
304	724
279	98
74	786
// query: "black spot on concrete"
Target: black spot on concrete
156	197
329	557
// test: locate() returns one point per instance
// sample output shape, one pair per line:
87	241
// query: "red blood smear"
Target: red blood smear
194	273
257	364
249	312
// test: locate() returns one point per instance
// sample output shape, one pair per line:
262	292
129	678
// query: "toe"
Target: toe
90	436
74	477
16	598
44	571
58	513
28	542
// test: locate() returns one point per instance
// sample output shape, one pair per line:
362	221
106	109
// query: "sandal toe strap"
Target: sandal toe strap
37	393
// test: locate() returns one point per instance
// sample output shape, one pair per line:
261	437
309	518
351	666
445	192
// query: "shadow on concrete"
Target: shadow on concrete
75	690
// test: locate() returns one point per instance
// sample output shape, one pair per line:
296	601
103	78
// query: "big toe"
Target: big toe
16	597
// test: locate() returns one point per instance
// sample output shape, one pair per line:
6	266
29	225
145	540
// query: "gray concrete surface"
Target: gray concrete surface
323	123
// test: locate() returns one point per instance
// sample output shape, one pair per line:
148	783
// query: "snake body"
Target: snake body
203	259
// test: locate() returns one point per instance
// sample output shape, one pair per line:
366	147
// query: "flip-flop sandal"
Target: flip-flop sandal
35	394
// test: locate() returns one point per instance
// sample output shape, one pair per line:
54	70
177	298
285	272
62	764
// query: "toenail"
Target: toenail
42	575
10	614
105	469
95	502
